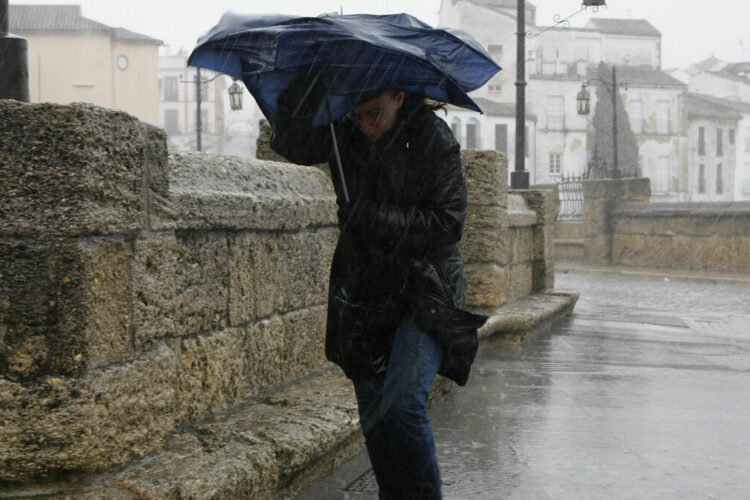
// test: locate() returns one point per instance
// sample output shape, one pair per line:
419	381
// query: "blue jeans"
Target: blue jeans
393	414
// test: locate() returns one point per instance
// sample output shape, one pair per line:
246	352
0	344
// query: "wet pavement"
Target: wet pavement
643	393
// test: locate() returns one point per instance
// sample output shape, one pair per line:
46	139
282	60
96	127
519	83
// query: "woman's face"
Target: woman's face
376	117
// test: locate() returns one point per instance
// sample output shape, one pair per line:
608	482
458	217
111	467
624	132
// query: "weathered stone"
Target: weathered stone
598	250
77	170
485	246
212	373
521	280
628	249
543	202
711	253
93	423
255	277
486	217
740	253
180	285
488	285
657	252
72	299
486	177
263	150
305	267
265	449
681	252
215	192
521	244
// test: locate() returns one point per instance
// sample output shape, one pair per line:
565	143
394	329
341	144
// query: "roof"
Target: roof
493	108
640	76
710	64
632	27
503	4
66	18
713	107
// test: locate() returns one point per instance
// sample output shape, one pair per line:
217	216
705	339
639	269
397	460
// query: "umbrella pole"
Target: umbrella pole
338	156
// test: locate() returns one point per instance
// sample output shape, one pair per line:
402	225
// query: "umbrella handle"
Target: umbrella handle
338	156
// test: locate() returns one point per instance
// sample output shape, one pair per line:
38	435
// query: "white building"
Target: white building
222	130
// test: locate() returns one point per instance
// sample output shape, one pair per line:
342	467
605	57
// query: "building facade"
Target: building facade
75	59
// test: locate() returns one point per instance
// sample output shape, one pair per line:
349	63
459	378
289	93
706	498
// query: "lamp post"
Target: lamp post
519	178
583	101
235	102
14	57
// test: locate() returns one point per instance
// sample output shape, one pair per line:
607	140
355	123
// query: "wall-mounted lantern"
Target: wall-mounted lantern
584	101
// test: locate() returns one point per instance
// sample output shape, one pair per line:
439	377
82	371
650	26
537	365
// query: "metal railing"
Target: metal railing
570	189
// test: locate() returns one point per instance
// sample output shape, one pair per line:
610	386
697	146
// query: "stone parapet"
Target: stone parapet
141	291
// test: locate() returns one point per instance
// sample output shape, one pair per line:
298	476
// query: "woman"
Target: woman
397	286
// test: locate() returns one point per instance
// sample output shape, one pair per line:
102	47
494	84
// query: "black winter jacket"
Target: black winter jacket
396	252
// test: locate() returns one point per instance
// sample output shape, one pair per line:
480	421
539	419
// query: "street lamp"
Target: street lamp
235	102
584	108
14	57
519	178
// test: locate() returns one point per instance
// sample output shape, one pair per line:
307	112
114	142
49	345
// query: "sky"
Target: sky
692	30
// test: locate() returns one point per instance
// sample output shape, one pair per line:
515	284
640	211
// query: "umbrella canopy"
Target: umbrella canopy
349	59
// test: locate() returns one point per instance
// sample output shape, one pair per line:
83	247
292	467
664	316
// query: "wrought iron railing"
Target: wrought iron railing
570	194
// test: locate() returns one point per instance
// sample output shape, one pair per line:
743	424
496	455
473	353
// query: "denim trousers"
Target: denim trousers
393	415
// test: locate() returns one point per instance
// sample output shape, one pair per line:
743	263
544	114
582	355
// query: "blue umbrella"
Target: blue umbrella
347	59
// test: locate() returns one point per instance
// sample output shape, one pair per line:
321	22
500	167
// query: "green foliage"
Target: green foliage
627	144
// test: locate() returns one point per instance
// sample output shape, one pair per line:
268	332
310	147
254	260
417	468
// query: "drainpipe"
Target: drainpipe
14	60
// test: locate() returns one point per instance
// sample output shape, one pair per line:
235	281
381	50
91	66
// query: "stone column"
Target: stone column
544	201
600	197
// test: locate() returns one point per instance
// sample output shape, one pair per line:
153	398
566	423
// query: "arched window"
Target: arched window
473	134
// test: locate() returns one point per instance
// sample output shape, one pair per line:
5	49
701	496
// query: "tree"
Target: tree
602	155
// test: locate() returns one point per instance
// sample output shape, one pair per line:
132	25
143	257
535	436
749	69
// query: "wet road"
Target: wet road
643	393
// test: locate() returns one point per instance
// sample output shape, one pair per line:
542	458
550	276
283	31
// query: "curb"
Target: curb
276	445
655	273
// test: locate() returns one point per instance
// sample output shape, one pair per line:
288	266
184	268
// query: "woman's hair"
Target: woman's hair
415	102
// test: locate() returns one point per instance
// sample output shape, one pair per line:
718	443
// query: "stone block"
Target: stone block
657	252
598	250
712	253
486	177
217	192
485	246
77	170
682	248
486	217
543	275
93	423
305	263
64	306
543	202
180	285
521	280
628	249
488	285
212	373
740	253
522	245
283	347
255	277
565	230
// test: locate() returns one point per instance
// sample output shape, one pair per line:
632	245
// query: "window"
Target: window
555	112
701	179
171	121
472	135
701	141
662	175
501	138
746	178
170	88
662	117
555	163
731	136
719	142
205	87
635	112
719	180
495	87
496	51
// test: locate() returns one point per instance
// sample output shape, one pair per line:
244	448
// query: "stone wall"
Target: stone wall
690	236
141	291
